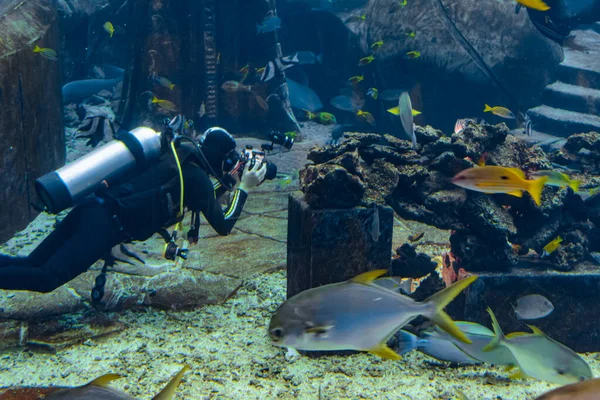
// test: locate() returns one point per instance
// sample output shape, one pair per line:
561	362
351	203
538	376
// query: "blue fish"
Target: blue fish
78	91
269	24
302	97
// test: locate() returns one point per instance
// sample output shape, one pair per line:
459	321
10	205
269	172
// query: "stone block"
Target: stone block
575	295
332	245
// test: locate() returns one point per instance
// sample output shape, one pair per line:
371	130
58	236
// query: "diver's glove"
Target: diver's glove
252	177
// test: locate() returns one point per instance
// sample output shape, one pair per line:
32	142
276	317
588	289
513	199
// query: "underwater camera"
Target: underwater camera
277	137
249	155
98	169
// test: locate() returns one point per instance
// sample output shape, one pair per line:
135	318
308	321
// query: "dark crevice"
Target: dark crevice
25	147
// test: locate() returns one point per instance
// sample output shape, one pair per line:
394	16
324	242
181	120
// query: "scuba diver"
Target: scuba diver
160	175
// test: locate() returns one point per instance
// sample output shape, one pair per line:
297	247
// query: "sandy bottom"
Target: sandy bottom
231	357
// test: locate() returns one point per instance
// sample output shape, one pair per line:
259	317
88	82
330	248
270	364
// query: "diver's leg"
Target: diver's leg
91	234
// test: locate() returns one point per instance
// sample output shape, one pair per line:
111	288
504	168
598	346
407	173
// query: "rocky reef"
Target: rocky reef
489	232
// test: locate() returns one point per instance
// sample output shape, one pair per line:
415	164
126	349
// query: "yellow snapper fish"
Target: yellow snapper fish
556	178
367	116
534	4
46	52
403	3
539	356
324	118
377	45
413	54
500	111
163	81
373	92
357	315
166	104
366	60
108	27
410	34
493	179
552	246
357	78
98	389
586	390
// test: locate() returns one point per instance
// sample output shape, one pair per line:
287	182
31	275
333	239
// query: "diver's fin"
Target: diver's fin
368	277
382	350
535	189
441	300
104	380
169	391
495	342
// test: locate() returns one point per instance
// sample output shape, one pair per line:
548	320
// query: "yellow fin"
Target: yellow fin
394	110
517	193
535	188
441	300
516	334
509	367
368	277
536	331
488	108
169	391
498	334
518	374
382	350
104	380
518	171
574	185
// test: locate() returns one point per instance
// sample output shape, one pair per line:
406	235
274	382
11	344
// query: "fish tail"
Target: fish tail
169	391
574	185
171	86
487	108
441	300
406	342
535	189
499	335
36	49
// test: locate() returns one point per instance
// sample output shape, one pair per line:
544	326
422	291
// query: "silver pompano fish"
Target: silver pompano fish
480	336
98	390
533	306
357	315
406	116
539	356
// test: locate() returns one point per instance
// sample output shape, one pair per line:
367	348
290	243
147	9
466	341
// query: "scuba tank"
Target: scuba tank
98	169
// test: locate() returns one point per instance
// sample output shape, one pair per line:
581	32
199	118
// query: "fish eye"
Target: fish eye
276	334
504	177
561	371
461	178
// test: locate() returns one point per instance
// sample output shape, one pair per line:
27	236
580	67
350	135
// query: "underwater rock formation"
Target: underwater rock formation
467	47
32	142
490	232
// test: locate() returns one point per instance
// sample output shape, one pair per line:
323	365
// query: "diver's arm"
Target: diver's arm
200	194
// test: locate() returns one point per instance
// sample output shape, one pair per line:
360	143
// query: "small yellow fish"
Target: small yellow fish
403	3
413	54
291	134
166	104
163	81
259	71
245	70
108	27
396	111
356	18
366	60
495	179
324	118
410	34
534	4
500	111
357	78
552	246
46	53
373	92
377	45
367	116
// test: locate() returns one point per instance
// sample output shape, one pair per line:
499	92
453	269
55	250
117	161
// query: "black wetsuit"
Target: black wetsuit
133	210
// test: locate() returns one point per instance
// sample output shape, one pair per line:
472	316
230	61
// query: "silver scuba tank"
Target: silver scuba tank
98	169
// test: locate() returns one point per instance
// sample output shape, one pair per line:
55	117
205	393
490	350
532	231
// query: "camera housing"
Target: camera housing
249	155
